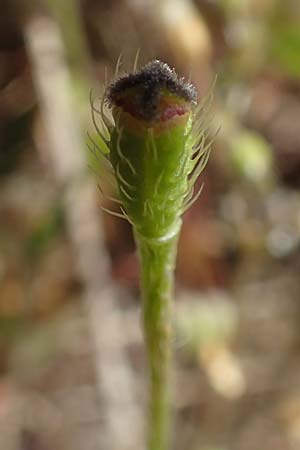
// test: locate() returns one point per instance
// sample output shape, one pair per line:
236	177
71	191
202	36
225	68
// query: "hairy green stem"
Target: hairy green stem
157	259
156	153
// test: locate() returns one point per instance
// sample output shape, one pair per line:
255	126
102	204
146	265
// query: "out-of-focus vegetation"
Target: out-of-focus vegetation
238	285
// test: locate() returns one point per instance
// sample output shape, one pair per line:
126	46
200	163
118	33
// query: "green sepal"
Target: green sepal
152	171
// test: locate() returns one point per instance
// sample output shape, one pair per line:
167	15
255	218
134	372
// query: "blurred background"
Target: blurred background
72	364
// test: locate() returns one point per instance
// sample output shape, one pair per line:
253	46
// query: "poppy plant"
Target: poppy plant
157	147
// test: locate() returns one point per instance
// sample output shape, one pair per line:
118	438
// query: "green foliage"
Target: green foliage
206	322
44	232
251	156
285	47
11	328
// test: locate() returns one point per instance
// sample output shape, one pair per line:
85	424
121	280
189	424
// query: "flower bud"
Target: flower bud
152	146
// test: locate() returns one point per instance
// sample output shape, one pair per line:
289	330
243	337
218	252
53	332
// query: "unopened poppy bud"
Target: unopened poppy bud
153	147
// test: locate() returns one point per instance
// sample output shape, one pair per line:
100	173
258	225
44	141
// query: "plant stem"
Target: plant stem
157	259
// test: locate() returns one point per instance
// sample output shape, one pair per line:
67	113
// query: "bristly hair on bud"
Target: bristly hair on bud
156	144
140	93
